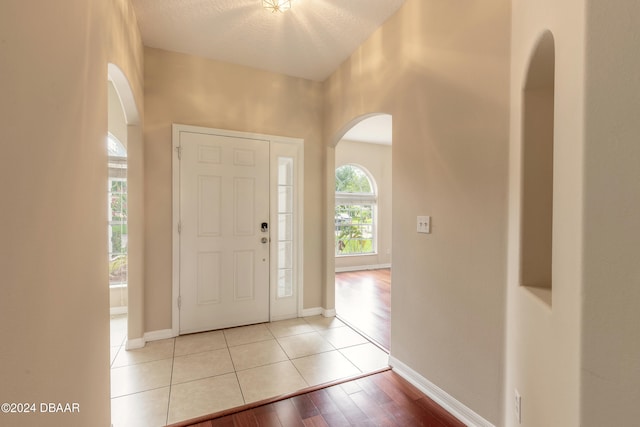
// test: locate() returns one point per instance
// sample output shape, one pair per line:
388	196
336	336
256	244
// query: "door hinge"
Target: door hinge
179	227
179	151
179	302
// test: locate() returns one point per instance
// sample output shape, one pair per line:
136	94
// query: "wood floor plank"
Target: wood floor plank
323	402
406	403
305	406
317	421
363	299
288	414
445	417
399	414
403	385
266	416
347	407
392	390
336	419
245	419
369	386
420	399
396	390
374	411
223	421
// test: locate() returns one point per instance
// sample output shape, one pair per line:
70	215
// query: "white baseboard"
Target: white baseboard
318	311
135	343
441	397
149	336
362	268
329	312
116	311
158	335
308	312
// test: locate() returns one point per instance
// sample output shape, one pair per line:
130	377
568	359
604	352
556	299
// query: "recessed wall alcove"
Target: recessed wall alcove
537	170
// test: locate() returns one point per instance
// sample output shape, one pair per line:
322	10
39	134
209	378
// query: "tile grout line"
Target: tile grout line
365	336
319	329
291	360
173	359
233	364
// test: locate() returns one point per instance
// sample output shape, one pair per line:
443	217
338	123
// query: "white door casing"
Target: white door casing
221	256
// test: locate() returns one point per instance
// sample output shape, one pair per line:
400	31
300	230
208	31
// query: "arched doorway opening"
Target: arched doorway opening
362	227
125	202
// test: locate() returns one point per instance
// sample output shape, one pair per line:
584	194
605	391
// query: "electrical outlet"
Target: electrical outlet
518	405
424	224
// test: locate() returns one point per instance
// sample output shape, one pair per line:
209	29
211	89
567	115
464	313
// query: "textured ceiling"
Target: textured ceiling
310	40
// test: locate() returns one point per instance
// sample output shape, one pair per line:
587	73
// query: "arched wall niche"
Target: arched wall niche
536	237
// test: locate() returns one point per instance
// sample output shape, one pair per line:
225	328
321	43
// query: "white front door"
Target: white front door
223	248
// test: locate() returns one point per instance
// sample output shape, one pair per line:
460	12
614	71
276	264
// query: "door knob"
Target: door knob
264	240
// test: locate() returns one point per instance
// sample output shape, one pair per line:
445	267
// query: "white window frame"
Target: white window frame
345	198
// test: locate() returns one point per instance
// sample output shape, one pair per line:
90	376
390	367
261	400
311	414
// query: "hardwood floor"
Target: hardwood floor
363	300
382	399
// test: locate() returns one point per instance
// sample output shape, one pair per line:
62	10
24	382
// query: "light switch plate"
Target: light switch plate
424	224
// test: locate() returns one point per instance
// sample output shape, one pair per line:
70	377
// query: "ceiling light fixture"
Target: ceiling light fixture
276	5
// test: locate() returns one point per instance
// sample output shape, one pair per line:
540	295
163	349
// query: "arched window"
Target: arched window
355	214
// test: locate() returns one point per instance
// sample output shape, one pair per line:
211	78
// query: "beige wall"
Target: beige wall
124	46
610	362
117	123
576	362
442	70
543	341
125	55
54	301
189	90
376	159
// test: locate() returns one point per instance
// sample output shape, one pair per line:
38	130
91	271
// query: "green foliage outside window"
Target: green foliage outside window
354	229
118	224
352	179
354	222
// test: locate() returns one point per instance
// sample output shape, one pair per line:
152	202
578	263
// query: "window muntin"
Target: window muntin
355	212
284	288
117	213
115	148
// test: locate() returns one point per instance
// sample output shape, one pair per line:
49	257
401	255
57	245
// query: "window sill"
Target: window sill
356	255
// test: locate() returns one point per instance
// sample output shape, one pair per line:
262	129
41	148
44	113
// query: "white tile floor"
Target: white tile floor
181	378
